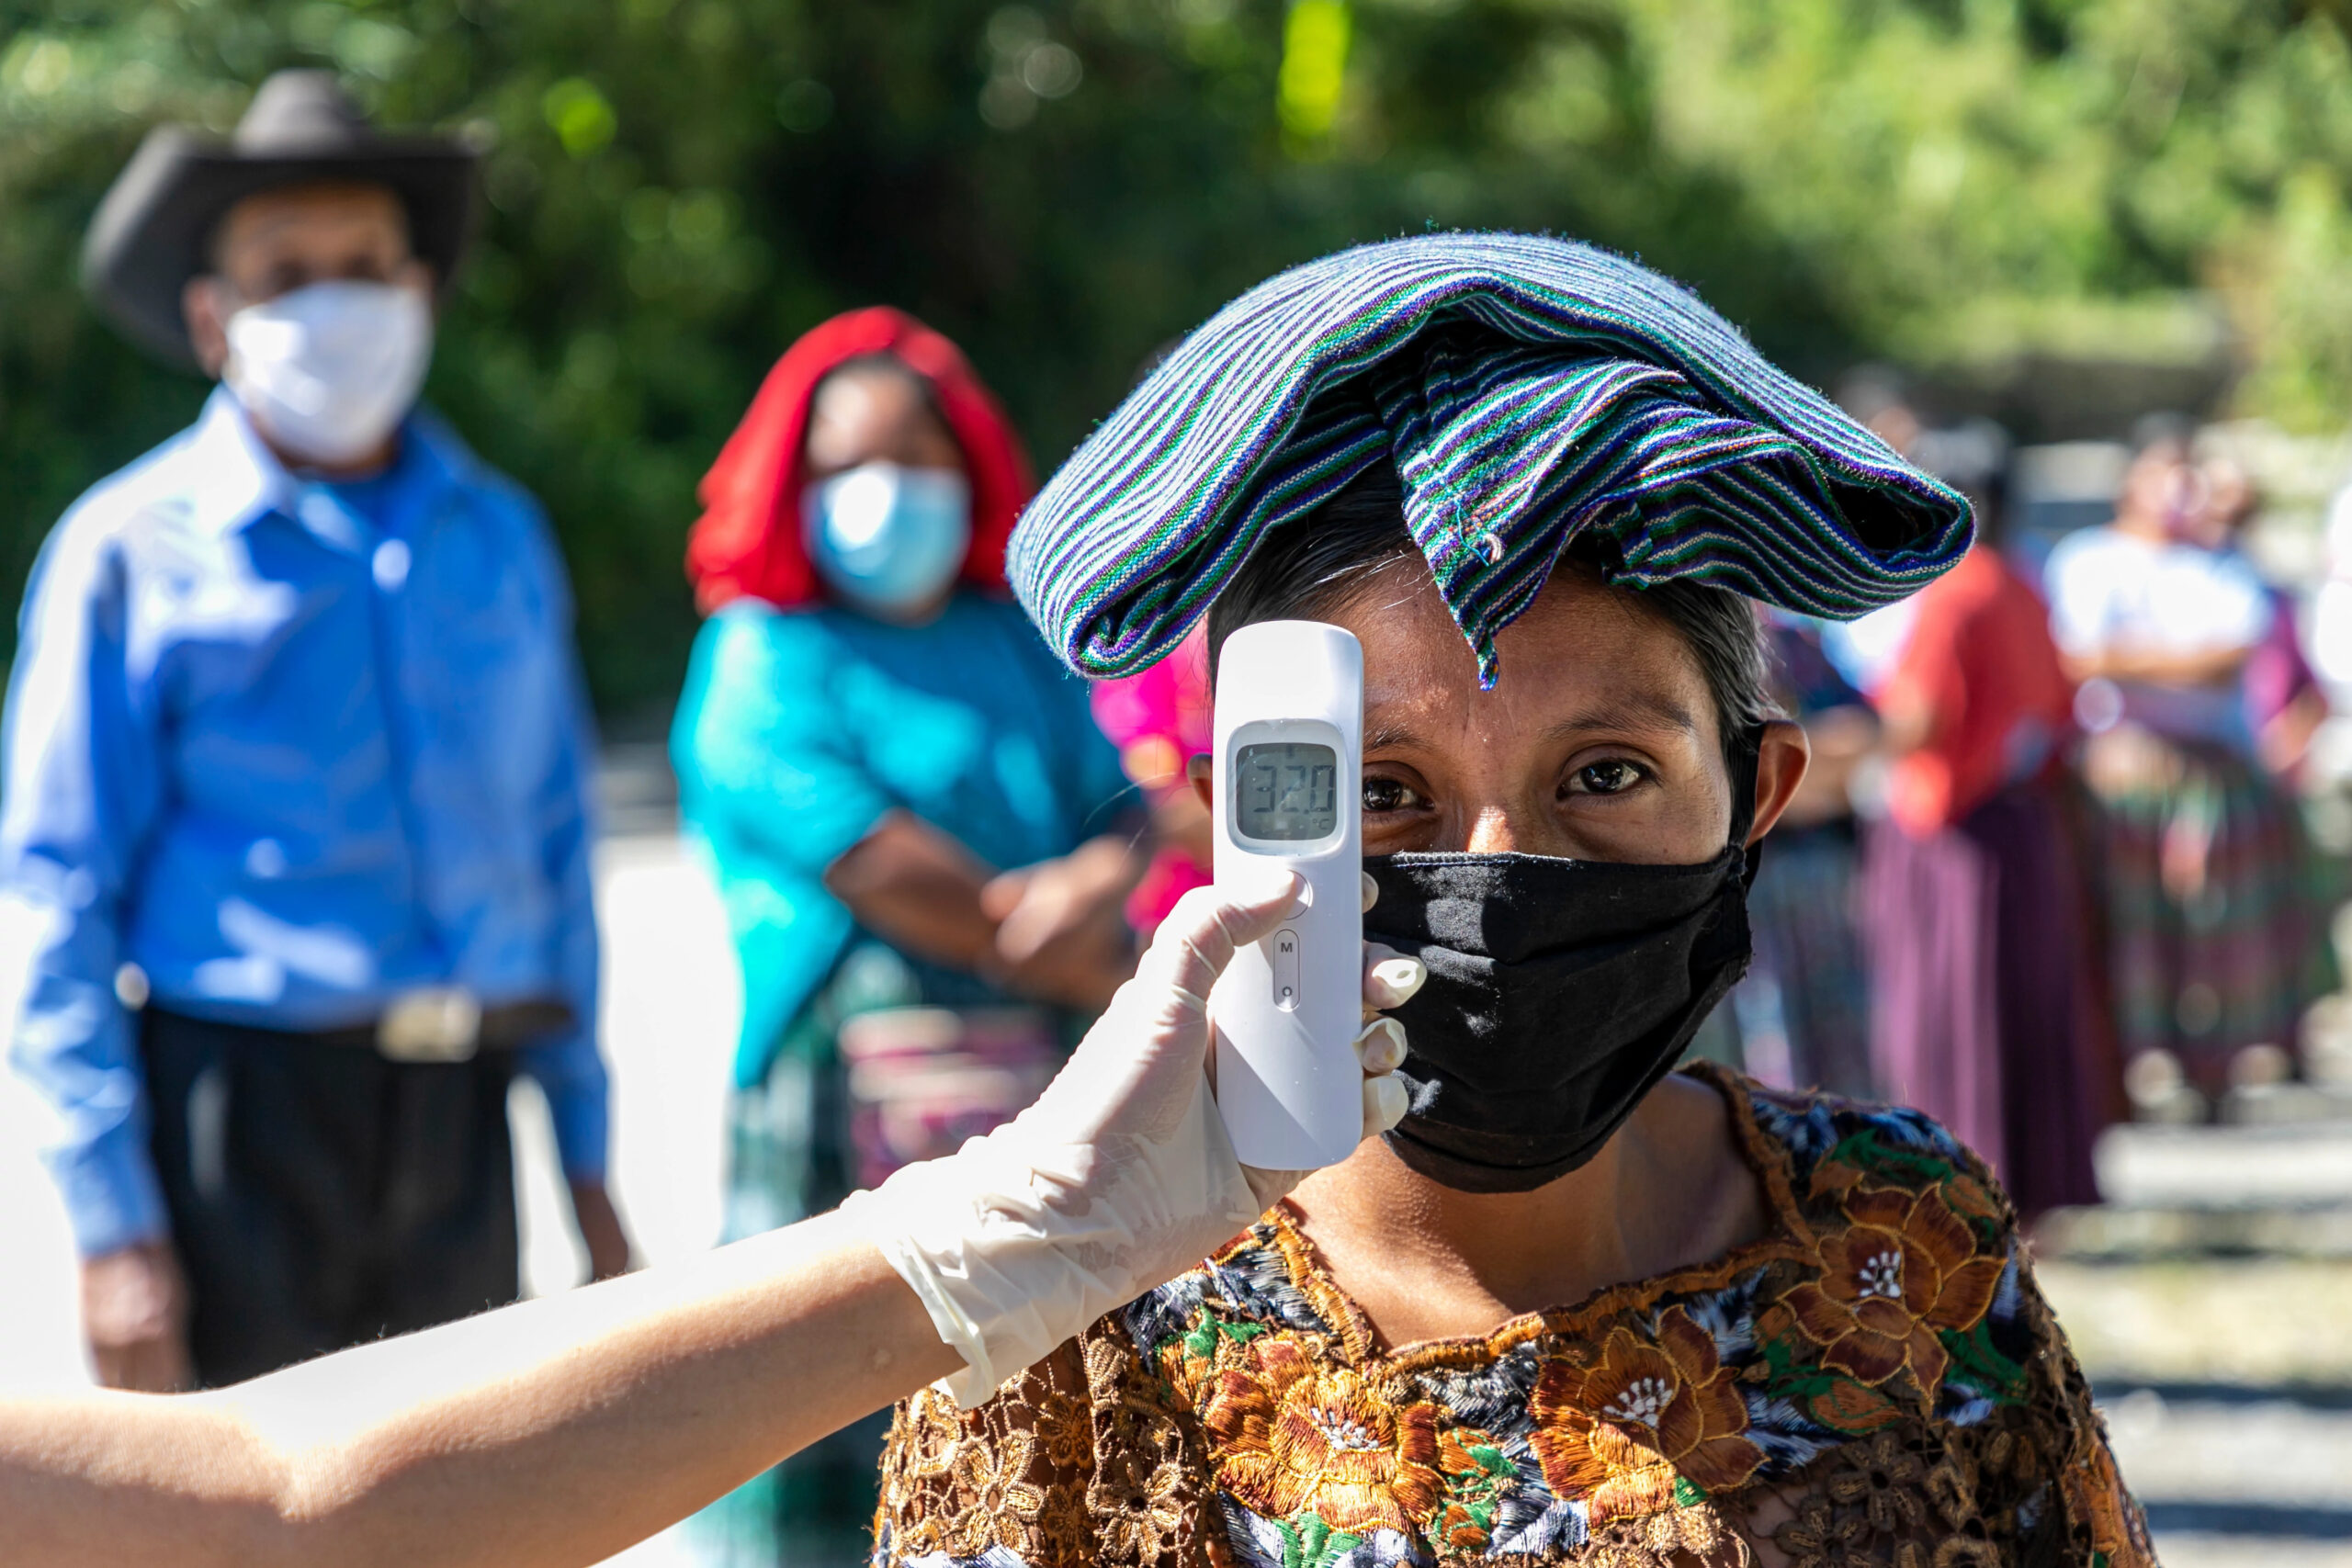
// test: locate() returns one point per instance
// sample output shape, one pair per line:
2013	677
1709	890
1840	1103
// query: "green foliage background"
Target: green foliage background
677	187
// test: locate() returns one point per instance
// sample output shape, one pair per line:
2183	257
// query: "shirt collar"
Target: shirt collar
233	480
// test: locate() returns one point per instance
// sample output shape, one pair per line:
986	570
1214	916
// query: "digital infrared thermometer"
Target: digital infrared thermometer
1288	793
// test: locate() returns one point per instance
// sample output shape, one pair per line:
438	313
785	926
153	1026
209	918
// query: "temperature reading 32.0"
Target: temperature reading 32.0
1287	791
1289	726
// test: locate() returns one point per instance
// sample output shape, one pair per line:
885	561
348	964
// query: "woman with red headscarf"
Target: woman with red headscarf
906	802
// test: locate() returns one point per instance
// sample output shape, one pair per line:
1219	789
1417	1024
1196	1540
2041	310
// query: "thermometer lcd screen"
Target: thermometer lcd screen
1287	791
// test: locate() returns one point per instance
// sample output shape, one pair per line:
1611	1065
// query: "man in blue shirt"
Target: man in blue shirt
296	759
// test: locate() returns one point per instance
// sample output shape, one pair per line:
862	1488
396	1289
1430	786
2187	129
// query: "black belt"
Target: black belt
447	1024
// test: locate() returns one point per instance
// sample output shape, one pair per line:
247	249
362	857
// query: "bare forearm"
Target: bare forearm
918	889
559	1432
553	1433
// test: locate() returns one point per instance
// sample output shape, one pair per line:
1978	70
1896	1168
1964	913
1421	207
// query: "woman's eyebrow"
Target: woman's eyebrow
1381	737
1635	711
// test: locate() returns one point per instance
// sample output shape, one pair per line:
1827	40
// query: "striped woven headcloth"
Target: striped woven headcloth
1527	391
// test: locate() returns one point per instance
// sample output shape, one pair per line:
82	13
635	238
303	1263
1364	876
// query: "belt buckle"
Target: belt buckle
431	1023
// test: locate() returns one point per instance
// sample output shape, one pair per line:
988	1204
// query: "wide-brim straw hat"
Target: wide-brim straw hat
148	236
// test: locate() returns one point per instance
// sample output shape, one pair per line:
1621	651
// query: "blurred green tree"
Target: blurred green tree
677	187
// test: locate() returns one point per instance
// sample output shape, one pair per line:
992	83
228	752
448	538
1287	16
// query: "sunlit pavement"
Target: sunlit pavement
2212	1303
2227	1379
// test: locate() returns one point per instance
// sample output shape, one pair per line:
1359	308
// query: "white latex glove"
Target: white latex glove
1120	1177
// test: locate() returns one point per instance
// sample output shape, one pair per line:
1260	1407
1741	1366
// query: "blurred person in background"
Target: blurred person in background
297	756
1801	1016
906	803
2214	948
2285	703
1972	893
1864	647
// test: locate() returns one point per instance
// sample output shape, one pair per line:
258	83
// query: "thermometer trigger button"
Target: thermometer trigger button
1305	901
1285	970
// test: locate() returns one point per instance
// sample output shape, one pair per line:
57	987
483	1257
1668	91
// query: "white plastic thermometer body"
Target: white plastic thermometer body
1289	759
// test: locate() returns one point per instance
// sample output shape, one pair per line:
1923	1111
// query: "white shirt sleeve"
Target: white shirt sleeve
2081	578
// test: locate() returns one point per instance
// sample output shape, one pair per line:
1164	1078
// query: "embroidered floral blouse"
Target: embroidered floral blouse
1876	1382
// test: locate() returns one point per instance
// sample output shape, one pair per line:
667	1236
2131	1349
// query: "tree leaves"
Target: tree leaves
677	189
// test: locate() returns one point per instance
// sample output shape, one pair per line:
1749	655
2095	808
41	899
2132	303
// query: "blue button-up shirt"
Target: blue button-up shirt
290	749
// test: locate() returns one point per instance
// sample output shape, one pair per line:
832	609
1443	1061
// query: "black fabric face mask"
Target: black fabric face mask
1559	993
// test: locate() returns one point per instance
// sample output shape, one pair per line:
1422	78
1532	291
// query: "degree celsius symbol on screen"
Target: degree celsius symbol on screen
1286	790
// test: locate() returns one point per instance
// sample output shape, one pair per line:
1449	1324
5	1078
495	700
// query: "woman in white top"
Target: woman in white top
2214	946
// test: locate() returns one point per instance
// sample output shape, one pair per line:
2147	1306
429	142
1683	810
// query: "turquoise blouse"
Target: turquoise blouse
799	729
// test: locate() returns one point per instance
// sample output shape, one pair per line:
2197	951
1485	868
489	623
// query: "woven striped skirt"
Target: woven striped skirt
2215	902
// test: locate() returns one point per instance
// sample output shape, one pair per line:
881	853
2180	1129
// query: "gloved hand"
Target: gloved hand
1120	1177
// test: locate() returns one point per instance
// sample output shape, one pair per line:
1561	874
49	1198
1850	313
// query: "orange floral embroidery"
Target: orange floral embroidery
1969	1198
1292	1436
1473	1467
1140	1508
1188	1362
1906	1268
1817	1537
1834	1176
1064	1432
2096	1499
933	1429
1185	1371
1882	1478
1458	1529
1065	1530
909	1539
1852	1408
998	1505
1618	1432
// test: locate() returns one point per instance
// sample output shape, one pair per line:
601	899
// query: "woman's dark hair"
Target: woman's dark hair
1312	566
2163	428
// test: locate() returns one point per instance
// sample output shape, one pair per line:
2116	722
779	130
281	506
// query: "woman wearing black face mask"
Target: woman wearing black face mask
1575	1307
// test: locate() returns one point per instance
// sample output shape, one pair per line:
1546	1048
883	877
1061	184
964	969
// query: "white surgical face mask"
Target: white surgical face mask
328	370
888	538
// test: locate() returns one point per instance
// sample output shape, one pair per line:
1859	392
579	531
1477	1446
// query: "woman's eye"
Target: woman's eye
1388	795
1613	777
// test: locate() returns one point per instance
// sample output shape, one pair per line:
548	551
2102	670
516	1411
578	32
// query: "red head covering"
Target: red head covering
749	540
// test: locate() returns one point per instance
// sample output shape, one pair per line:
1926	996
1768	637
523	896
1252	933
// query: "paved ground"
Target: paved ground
2228	1379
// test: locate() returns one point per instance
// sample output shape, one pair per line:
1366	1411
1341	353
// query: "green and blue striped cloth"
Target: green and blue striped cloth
1529	392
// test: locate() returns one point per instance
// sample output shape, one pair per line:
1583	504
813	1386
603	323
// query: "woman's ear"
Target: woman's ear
1781	760
1201	772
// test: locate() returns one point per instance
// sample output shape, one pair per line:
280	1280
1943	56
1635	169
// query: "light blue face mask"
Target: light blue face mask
887	538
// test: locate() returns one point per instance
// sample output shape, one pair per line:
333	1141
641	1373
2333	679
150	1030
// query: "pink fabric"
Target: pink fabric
2276	672
1158	718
